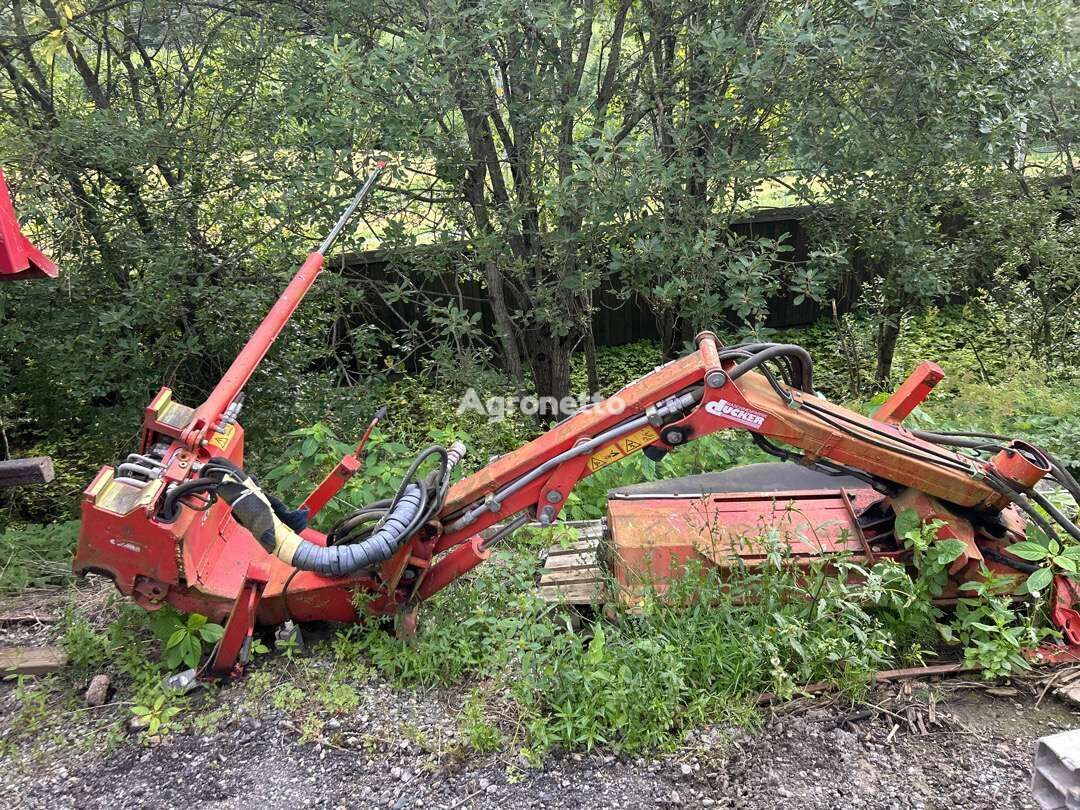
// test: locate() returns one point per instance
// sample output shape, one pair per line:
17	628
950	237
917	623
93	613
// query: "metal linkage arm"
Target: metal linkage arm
206	416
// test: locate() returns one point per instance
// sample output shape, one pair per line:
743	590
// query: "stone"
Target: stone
98	690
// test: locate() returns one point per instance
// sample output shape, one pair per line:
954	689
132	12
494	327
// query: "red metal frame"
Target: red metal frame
19	259
911	393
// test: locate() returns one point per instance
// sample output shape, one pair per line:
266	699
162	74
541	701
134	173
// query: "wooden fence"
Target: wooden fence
618	320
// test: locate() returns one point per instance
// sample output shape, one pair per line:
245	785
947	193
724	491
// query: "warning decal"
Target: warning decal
622	448
221	440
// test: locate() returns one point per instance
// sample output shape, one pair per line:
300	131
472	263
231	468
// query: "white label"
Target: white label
736	413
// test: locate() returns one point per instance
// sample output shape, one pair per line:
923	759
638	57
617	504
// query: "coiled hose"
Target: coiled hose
354	544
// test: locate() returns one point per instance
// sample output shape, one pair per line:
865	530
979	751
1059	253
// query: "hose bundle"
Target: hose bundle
362	540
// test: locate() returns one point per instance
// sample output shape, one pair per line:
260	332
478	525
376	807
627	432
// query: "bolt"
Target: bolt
716	379
546	515
554	496
675	437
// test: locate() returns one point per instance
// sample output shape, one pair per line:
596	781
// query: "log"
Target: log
31	660
22	471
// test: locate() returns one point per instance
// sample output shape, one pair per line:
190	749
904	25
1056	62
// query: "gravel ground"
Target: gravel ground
398	749
812	758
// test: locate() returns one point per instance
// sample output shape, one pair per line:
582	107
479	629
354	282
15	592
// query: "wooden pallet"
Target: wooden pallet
576	574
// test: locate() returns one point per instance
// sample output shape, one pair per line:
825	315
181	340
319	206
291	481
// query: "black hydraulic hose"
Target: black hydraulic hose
394	524
170	509
1059	472
727	354
1055	513
750	349
1002	487
803	365
346	559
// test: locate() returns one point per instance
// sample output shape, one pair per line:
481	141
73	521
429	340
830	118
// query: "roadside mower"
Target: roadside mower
181	522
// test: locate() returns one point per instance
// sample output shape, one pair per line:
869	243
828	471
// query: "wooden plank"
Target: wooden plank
576	548
31	660
581	560
21	471
590	574
582	593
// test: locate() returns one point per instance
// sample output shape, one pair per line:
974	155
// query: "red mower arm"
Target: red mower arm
692	397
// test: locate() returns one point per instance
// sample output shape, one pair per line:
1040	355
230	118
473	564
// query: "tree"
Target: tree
516	108
141	138
711	141
904	108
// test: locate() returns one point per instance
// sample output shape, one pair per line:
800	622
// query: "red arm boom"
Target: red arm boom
819	428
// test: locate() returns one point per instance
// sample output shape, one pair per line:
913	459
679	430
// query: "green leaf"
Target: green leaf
174	656
949	550
177	636
1027	550
907	521
195	621
596	646
192	651
1039	579
1066	563
211	633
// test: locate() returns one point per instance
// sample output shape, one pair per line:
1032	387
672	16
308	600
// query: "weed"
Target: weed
288	698
36	556
33	699
184	637
993	628
311	728
86	647
258	684
482	736
208	723
416	736
158	715
337	697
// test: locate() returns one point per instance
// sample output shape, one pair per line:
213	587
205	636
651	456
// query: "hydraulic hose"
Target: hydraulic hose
348	551
252	510
343	560
802	364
